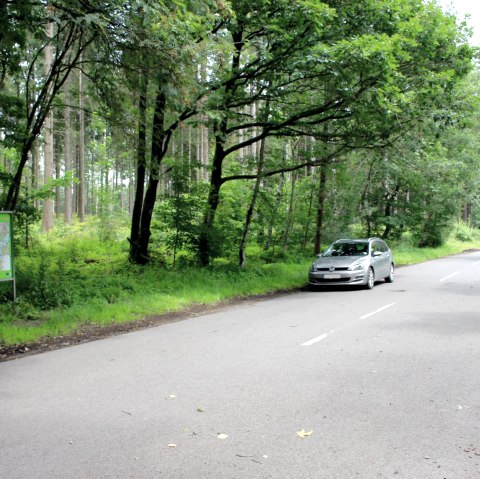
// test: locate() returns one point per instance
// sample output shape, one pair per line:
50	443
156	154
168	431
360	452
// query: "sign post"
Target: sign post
7	270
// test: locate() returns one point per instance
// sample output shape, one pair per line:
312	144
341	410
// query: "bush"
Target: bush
463	232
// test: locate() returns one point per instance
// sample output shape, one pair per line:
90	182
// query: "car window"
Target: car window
347	249
379	246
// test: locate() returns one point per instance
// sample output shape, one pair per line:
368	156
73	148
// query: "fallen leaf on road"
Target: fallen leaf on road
304	433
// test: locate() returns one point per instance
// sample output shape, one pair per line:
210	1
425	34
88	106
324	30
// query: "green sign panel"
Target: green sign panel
6	247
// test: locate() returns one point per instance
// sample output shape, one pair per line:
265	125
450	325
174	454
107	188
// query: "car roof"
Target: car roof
357	240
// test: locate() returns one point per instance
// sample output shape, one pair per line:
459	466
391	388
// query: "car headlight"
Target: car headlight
356	267
313	267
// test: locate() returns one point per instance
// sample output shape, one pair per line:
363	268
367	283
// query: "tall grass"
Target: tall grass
70	282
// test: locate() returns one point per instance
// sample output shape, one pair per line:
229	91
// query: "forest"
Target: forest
144	142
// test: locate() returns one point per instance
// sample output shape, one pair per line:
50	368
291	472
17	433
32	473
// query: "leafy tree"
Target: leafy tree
367	70
179	211
175	47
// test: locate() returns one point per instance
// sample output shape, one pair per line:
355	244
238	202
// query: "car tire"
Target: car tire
391	277
370	279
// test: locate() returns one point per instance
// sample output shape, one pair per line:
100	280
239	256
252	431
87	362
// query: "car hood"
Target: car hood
338	261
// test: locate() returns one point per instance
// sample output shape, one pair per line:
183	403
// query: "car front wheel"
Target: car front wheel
370	279
391	277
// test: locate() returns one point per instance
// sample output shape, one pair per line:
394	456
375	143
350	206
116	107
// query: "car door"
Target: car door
380	259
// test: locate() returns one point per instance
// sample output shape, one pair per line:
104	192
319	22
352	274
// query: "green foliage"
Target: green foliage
73	280
227	230
464	232
179	212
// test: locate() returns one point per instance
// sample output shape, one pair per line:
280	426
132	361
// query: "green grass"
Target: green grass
122	292
71	281
405	255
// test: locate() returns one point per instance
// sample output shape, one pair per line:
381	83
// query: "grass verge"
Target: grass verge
153	291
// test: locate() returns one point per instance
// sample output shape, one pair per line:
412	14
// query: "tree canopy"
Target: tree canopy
189	117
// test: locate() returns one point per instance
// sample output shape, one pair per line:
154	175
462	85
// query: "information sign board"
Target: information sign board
6	247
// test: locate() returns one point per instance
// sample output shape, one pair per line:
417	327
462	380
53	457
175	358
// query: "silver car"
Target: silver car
353	262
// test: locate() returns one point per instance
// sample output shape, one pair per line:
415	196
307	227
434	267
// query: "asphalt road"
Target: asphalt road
380	384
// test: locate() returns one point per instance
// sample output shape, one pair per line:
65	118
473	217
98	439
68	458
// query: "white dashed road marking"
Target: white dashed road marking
450	276
325	335
315	340
383	308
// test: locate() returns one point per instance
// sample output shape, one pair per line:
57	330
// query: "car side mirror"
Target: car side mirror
376	254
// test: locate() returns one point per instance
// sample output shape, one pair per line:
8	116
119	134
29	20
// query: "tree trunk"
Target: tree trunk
47	215
131	192
35	171
220	133
139	249
278	199
67	151
290	212
204	153
256	189
205	240
251	208
364	199
81	150
307	223
322	194
193	170
58	173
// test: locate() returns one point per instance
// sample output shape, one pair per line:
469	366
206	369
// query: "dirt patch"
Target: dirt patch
93	332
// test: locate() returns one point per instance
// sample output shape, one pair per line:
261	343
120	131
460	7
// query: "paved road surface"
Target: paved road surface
386	381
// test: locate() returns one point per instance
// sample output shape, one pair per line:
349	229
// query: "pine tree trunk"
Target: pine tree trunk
204	132
307	223
47	215
35	171
67	151
193	170
58	173
81	151
288	226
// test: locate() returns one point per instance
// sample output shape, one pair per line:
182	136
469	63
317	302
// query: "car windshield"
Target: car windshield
357	248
